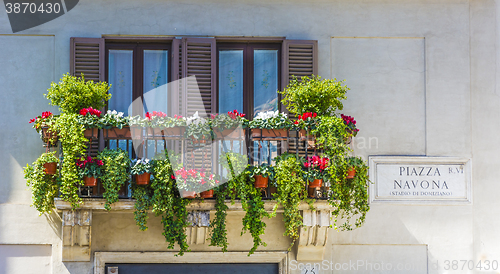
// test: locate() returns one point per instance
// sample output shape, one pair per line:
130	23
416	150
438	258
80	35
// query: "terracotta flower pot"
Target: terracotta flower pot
188	194
91	133
269	134
260	181
351	172
50	168
117	133
232	133
89	181
316	183
142	179
199	141
207	194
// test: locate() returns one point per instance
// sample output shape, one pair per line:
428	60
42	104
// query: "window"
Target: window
136	71
248	77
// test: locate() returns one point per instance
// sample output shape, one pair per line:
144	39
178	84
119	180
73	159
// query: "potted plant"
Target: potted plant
90	170
142	169
43	125
116	170
270	125
198	129
315	170
188	181
351	129
305	124
115	125
228	126
90	119
44	186
313	94
352	163
208	181
262	174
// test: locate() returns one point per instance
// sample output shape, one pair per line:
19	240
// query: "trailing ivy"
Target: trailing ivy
218	231
43	186
167	202
143	201
73	145
291	187
349	197
116	173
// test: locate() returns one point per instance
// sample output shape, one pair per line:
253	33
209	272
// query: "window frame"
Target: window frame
248	70
138	48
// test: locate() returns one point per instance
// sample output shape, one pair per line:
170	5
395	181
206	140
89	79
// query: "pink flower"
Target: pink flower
84	111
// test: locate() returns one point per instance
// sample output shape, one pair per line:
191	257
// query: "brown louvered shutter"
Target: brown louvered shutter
176	58
198	59
300	58
87	57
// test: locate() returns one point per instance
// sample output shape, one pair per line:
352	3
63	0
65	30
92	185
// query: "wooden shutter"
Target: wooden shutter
87	57
198	59
176	94
300	58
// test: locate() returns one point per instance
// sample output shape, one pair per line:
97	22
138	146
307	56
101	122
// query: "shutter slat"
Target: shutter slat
87	57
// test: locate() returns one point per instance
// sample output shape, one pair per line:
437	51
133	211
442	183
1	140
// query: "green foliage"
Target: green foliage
143	201
224	121
89	121
140	166
218	231
313	95
113	119
72	94
291	189
73	147
271	120
168	203
44	187
331	133
264	170
116	173
349	197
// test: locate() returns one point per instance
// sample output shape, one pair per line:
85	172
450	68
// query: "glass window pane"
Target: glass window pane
230	80
155	80
120	78
265	80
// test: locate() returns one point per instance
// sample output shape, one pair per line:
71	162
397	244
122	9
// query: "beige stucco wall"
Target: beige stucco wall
423	82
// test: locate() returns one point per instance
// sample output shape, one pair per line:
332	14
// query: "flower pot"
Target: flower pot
50	168
49	135
89	181
198	141
351	172
188	194
136	132
269	134
207	194
232	133
91	133
117	133
166	133
142	179
317	183
309	137
347	140
260	181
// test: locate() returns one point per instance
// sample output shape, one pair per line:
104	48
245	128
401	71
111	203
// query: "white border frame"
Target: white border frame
103	258
375	160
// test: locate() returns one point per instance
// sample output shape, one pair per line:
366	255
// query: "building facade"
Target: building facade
423	88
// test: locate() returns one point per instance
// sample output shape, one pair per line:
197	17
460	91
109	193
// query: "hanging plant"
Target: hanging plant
218	231
44	187
116	173
43	125
73	147
143	202
349	197
291	189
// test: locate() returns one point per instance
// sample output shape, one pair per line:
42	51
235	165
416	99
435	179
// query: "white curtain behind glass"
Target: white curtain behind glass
230	80
265	81
120	78
155	80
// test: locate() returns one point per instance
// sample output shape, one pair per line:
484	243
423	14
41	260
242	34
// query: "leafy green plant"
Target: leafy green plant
89	118
46	120
349	197
264	170
116	173
72	94
44	187
167	202
291	189
198	128
313	95
143	202
350	124
218	231
89	167
228	121
315	167
73	147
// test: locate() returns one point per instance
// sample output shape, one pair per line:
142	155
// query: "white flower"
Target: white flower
120	114
195	119
267	115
